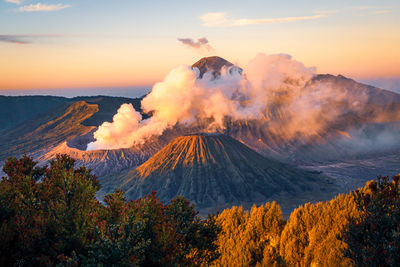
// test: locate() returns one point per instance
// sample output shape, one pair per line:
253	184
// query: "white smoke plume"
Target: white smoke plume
273	90
180	98
114	135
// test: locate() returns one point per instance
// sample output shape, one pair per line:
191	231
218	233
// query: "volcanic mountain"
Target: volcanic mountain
214	65
215	169
366	122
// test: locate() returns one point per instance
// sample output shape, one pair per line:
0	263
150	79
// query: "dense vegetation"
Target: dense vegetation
49	216
374	237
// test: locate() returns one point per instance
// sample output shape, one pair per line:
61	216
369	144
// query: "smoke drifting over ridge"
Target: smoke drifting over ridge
274	91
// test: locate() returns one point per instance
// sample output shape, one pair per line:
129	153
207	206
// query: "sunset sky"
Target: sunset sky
121	43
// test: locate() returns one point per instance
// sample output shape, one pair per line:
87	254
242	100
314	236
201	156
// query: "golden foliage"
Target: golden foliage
310	237
250	237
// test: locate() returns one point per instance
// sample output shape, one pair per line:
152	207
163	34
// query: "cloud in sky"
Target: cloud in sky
220	19
28	38
382	11
42	7
15	39
17	2
202	43
368	7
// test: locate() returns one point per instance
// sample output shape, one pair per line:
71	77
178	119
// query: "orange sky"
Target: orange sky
65	49
25	67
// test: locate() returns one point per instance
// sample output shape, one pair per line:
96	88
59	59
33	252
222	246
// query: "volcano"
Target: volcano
365	125
346	135
213	65
215	169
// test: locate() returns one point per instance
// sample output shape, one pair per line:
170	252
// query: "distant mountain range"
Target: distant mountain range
244	164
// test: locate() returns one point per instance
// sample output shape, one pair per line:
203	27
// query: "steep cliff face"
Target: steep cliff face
214	169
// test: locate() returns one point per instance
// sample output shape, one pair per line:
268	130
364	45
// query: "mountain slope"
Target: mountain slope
47	130
17	109
374	95
348	134
44	128
216	169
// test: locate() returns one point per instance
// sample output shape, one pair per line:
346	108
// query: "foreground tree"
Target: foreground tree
45	211
49	215
374	238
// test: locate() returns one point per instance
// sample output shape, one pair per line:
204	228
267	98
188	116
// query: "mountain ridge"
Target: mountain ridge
48	130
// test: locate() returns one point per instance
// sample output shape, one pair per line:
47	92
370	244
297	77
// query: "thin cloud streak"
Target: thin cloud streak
355	8
369	7
14	39
42	7
220	19
202	43
29	38
17	2
382	11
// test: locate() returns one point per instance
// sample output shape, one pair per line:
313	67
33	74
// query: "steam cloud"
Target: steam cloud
202	43
274	91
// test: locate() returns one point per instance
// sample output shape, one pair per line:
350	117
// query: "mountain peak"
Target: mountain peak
213	64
